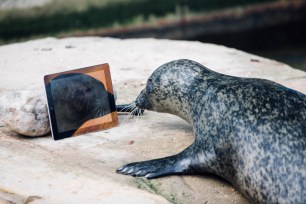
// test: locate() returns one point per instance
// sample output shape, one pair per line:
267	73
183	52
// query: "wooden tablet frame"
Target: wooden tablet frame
102	74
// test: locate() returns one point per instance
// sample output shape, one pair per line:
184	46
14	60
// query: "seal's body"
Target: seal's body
252	132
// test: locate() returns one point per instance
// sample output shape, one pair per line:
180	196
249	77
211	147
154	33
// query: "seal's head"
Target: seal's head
169	88
80	97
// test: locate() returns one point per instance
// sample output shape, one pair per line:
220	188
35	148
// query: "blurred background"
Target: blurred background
271	28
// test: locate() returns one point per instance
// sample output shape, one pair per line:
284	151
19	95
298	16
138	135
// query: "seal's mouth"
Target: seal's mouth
142	101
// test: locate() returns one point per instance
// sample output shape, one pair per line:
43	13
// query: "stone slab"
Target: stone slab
82	169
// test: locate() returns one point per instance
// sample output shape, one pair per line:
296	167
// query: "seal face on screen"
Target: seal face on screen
80	101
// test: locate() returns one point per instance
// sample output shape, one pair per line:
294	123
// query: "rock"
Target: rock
25	112
82	168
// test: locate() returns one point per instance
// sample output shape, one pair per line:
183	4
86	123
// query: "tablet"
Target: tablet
80	101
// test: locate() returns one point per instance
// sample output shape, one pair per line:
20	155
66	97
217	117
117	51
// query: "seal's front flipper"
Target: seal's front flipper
152	168
188	161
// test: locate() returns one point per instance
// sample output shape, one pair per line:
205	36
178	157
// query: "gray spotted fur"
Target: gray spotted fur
251	132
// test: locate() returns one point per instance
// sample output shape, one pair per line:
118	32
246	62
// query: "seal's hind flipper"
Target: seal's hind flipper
152	168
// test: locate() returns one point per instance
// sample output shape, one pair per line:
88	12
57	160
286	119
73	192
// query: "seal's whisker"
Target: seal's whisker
94	112
136	115
125	119
139	112
88	115
127	107
131	114
98	114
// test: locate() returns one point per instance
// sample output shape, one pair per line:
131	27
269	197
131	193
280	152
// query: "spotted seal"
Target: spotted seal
79	98
251	132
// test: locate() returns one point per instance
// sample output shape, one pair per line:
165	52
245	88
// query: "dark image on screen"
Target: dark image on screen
78	98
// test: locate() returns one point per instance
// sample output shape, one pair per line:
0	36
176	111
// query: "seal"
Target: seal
78	99
251	132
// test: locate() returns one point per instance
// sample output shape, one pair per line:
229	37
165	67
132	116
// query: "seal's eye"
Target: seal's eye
78	95
88	90
150	80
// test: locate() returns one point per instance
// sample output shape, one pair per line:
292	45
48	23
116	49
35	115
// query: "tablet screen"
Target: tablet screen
80	101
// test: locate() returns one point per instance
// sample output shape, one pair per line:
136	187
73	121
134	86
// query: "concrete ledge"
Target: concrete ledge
82	169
